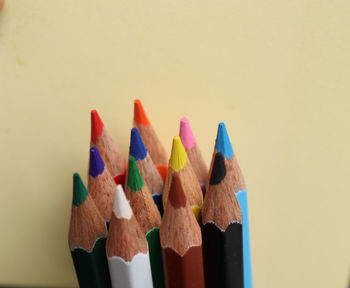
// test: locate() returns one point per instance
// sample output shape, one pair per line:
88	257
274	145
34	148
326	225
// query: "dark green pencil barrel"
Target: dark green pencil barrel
92	267
155	255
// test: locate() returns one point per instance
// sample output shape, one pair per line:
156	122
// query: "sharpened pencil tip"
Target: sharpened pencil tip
178	155
96	126
218	172
186	133
137	148
140	116
121	206
177	196
97	166
223	143
79	191
135	181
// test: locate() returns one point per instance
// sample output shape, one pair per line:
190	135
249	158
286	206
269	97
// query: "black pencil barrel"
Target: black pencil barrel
223	256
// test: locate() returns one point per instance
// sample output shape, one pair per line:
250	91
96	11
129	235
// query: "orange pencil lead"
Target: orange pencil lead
140	116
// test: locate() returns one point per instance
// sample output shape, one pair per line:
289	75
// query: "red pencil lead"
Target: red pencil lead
96	126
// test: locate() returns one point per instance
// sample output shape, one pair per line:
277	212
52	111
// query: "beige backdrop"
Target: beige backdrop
277	72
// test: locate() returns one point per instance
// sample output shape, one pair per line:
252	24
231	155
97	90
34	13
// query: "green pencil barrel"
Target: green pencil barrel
92	267
155	255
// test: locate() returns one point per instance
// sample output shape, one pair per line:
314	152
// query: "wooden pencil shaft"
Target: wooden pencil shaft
153	144
111	155
198	164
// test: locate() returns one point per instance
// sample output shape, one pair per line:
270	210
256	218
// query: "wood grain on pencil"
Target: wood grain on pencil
193	152
223	145
181	241
109	151
222	230
101	185
179	163
145	163
125	237
149	137
141	201
86	224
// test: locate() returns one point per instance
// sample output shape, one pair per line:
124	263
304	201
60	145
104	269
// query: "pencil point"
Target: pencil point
219	170
223	143
96	126
186	133
121	206
140	116
178	155
137	148
79	191
135	181
97	166
177	196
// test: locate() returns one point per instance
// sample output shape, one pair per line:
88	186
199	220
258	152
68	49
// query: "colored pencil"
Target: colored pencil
127	250
147	215
180	163
87	239
150	138
141	201
101	185
147	168
223	145
100	138
193	152
222	230
181	241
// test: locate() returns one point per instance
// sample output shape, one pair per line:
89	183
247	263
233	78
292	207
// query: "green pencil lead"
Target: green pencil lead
135	180
79	190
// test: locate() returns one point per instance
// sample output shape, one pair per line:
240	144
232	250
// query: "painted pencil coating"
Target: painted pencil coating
155	255
126	247
147	215
223	256
133	274
242	199
223	144
92	267
222	230
181	241
190	265
87	238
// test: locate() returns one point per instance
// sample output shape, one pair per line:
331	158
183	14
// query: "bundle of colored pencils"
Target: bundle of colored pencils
149	221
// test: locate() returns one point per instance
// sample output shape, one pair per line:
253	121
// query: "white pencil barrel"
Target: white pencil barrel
134	274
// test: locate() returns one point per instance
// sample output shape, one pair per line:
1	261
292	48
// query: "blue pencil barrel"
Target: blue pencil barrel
247	268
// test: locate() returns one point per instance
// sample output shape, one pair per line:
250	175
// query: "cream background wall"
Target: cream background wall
277	72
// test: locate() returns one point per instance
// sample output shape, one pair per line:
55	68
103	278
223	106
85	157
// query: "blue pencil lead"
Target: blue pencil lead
137	148
223	143
97	166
